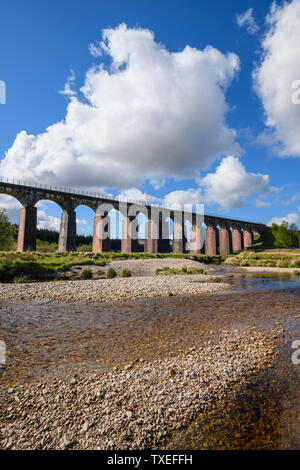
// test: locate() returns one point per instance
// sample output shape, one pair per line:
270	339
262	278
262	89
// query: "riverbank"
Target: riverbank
148	279
137	407
35	266
49	343
108	290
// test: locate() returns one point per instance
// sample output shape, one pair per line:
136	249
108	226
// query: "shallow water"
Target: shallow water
55	339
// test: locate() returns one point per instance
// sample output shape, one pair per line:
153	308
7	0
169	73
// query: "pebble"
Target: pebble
140	407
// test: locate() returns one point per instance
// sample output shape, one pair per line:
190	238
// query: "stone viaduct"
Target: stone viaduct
223	235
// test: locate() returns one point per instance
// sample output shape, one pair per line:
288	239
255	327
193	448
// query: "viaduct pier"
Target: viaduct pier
209	234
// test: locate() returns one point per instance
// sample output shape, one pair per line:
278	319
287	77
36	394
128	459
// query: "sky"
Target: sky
169	102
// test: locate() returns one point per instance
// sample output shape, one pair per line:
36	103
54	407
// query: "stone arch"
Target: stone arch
85	221
15	194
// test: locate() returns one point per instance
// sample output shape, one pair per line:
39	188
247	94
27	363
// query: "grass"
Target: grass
268	258
36	264
184	270
86	274
111	273
100	272
126	273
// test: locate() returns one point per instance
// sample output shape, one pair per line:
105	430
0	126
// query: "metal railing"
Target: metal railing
109	197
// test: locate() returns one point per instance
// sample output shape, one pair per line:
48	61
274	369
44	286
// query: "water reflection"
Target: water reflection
263	281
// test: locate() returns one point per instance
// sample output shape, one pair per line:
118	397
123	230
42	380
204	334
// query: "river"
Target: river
46	339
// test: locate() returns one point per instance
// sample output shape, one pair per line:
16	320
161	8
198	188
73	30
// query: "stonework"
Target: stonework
224	240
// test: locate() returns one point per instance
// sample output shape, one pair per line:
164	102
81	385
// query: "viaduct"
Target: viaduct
223	235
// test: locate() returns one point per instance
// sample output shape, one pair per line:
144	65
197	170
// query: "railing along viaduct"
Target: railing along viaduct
223	234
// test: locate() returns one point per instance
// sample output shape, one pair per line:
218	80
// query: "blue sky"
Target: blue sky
41	42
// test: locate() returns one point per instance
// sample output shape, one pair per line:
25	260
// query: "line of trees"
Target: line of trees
282	236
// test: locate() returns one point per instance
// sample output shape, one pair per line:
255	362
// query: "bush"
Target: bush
111	273
85	248
10	269
21	279
86	274
7	232
45	247
100	272
126	272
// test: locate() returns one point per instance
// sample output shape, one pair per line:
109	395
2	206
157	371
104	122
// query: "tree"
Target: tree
285	235
7	232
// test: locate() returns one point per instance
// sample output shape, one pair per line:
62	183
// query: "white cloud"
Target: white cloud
231	184
47	221
12	207
68	91
289	218
51	222
247	19
274	77
134	194
228	187
95	49
152	114
158	184
8	202
181	197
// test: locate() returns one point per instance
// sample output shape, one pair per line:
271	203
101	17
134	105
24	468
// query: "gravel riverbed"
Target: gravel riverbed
135	407
118	289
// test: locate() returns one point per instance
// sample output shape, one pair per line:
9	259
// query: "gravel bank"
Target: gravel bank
134	408
112	289
142	267
137	267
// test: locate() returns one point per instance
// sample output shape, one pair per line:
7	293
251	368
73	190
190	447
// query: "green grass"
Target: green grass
111	273
126	273
184	270
86	274
35	264
269	258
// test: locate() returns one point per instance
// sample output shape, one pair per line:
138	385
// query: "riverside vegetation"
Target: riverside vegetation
276	248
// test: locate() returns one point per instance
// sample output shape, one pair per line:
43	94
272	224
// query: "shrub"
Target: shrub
45	247
111	273
86	274
21	279
126	272
7	232
100	272
85	248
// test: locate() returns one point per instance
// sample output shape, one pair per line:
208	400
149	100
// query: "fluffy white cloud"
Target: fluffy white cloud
180	197
47	221
247	19
51	222
134	194
289	218
274	78
12	207
152	114
228	187
231	184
